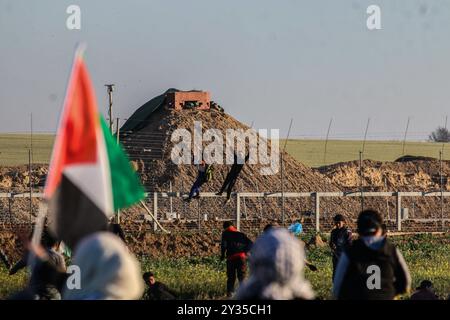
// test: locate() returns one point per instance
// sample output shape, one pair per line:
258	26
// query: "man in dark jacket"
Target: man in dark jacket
232	176
234	245
372	268
156	290
340	239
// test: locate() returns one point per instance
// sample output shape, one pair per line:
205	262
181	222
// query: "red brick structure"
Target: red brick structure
189	99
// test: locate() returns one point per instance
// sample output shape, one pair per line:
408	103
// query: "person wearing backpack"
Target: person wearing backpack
204	175
372	268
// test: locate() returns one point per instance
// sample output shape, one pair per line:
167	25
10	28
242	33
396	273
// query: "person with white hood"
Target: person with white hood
108	270
276	269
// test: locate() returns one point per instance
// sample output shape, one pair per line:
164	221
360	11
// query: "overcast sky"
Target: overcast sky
264	61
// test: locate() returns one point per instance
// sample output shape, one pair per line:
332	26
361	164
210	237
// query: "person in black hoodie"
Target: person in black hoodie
372	268
232	176
340	239
234	245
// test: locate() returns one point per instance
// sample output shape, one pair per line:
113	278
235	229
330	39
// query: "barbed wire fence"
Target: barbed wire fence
145	149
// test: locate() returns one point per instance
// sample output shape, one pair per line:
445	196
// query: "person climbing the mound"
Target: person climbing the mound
204	175
232	175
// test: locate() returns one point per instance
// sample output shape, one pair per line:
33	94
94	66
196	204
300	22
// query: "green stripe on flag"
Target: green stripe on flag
126	187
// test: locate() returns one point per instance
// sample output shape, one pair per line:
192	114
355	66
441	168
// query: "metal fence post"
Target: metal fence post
238	211
317	210
9	208
170	200
155	210
399	211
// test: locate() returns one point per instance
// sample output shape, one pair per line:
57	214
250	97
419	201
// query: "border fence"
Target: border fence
160	209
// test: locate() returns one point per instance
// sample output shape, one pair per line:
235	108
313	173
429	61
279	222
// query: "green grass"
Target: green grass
14	150
311	152
427	256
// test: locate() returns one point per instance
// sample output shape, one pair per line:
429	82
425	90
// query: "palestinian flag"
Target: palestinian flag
90	177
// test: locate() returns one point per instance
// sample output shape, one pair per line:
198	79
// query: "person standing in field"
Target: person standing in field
234	245
232	175
372	268
340	239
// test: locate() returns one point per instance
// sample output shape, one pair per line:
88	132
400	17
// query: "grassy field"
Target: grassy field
312	152
14	150
428	257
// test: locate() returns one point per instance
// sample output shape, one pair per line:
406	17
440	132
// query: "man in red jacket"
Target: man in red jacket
234	246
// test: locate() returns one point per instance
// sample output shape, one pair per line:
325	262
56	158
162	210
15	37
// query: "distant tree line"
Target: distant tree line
441	134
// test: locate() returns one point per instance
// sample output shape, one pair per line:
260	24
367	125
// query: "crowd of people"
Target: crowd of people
370	267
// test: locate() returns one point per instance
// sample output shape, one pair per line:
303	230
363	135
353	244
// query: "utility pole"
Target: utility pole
326	143
404	138
110	89
30	163
30	184
117	137
365	135
361	180
282	174
31	136
445	127
441	183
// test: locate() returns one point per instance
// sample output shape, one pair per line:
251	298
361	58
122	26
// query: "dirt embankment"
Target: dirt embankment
415	175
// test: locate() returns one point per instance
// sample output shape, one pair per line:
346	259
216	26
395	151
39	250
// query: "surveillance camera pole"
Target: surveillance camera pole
110	89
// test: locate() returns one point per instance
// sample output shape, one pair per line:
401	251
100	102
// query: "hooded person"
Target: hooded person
372	268
108	270
276	269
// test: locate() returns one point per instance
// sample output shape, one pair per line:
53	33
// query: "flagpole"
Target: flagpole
110	89
118	141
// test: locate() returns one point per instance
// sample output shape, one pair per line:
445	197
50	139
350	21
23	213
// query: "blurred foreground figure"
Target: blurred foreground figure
108	270
156	290
276	269
372	268
425	291
48	270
